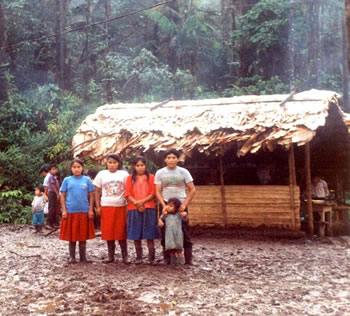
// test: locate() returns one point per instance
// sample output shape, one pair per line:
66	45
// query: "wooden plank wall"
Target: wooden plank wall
250	206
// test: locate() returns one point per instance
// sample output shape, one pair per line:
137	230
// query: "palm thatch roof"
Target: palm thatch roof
210	126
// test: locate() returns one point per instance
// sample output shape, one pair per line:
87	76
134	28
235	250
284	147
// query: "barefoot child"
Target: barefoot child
77	216
174	237
142	217
111	204
38	206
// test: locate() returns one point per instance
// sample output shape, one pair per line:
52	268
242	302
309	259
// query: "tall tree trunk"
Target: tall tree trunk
87	43
173	58
3	56
345	68
227	13
108	83
291	47
59	43
347	22
246	55
61	50
314	43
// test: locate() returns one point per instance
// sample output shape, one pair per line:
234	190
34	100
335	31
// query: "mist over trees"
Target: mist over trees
59	61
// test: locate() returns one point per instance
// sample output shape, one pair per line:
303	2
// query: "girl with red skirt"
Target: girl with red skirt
111	204
77	217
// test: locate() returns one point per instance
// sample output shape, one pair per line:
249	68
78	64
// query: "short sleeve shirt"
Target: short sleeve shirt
46	180
52	182
173	182
112	185
38	203
77	193
139	190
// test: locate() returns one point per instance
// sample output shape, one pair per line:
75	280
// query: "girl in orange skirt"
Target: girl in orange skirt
111	204
77	217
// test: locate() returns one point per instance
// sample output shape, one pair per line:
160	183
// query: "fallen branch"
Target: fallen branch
51	231
30	256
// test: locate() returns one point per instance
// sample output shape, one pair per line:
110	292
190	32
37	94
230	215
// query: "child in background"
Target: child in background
92	175
58	205
110	203
142	217
38	205
44	171
53	193
77	217
174	237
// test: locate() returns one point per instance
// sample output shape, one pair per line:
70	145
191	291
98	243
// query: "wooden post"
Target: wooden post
292	183
308	189
222	188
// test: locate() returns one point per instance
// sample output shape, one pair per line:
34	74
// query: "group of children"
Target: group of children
127	209
48	192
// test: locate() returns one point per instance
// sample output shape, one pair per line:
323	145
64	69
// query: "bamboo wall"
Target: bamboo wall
250	206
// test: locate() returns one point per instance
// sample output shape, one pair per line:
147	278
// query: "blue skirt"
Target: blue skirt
38	218
142	225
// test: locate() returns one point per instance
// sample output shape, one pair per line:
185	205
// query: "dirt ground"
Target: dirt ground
232	275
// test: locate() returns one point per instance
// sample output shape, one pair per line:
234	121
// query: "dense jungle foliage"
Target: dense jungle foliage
185	49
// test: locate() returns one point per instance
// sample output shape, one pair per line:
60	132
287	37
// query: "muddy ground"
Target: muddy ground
232	275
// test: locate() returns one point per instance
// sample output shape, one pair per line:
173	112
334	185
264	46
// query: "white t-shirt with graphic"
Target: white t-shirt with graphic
112	186
173	182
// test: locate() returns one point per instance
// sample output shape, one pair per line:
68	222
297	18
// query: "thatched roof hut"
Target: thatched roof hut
251	122
223	130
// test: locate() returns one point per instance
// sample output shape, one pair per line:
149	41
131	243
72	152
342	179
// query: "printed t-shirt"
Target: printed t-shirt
112	185
52	182
173	182
77	193
139	190
38	203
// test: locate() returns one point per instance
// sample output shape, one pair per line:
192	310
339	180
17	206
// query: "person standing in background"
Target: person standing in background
54	196
319	188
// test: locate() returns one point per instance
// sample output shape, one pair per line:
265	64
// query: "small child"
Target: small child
77	217
173	231
38	206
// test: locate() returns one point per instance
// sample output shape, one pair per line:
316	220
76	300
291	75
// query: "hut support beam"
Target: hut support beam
292	183
308	189
222	188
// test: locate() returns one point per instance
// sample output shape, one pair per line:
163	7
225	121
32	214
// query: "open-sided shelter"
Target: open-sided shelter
254	132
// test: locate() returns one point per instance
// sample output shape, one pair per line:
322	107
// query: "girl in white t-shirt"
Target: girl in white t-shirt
111	205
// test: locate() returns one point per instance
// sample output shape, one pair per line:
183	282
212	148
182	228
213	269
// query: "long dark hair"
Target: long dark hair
134	162
116	158
176	202
80	162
